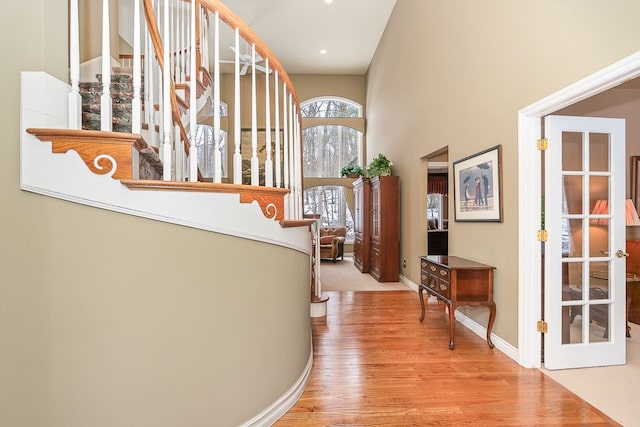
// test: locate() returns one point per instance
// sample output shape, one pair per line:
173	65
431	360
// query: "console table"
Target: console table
457	281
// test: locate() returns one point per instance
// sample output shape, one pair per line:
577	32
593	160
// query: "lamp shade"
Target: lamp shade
631	214
602	208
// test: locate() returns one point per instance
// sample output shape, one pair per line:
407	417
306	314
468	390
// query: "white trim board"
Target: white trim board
283	404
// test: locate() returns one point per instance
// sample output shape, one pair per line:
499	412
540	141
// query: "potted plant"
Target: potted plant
380	166
352	171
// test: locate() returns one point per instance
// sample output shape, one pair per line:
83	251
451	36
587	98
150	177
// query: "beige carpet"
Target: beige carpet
613	389
344	276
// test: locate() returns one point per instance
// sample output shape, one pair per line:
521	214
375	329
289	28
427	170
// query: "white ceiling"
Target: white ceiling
296	31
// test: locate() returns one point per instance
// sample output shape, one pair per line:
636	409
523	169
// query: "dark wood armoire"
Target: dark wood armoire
377	227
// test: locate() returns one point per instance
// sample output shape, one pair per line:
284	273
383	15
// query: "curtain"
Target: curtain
437	184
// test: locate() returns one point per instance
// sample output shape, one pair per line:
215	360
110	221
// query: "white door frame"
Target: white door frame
529	190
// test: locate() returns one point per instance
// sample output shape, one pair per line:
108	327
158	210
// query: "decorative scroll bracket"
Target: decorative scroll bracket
104	153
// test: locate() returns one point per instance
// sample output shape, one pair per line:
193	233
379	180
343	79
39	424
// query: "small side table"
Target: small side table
457	281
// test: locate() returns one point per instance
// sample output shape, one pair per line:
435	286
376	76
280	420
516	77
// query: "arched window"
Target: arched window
330	107
328	146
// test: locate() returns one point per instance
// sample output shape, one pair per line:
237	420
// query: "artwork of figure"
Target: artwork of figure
485	181
478	199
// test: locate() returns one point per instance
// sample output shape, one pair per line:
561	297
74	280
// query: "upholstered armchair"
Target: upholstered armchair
332	242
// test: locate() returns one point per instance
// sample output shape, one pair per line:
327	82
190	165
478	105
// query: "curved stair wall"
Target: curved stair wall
200	316
127	328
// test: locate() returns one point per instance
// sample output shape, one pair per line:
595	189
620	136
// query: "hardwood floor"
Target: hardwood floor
376	364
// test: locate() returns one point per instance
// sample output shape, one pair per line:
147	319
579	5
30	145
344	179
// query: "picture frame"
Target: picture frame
477	186
246	152
634	185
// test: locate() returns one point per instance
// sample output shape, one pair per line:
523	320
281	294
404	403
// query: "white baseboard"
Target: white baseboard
280	407
500	344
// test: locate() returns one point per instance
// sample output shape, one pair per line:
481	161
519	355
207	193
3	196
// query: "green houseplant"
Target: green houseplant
380	166
352	171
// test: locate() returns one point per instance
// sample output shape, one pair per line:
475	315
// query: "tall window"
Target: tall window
327	148
329	201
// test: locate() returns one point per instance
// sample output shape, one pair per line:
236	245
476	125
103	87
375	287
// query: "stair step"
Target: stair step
121	98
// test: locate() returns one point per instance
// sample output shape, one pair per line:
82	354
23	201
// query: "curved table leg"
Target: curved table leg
420	291
452	325
492	318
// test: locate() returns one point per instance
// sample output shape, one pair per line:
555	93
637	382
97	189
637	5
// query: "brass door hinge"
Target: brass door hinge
543	144
543	235
542	326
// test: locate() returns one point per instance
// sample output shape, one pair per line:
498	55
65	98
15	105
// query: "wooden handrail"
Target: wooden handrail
227	15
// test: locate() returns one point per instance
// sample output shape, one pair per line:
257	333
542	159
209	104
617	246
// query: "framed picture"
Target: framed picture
477	186
246	152
634	184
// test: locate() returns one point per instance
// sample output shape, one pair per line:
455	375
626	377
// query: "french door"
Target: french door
584	264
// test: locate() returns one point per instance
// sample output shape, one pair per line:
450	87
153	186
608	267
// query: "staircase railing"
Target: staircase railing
179	75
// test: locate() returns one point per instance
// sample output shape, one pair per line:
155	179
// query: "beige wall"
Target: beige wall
108	319
90	13
344	86
455	74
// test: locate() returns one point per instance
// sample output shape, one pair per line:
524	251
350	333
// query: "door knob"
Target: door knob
621	253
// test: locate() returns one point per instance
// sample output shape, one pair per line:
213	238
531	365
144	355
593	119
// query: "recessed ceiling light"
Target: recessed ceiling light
328	1
323	51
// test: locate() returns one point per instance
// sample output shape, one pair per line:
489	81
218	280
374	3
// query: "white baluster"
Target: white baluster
237	156
179	153
166	102
193	154
75	100
268	164
204	39
176	43
217	155
184	44
316	249
255	163
105	99
136	103
153	92
276	87
292	157
298	166
285	139
147	80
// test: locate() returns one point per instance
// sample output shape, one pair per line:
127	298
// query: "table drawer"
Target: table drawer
444	288
437	285
436	270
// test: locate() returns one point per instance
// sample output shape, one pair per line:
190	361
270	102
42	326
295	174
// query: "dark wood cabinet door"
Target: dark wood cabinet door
361	220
